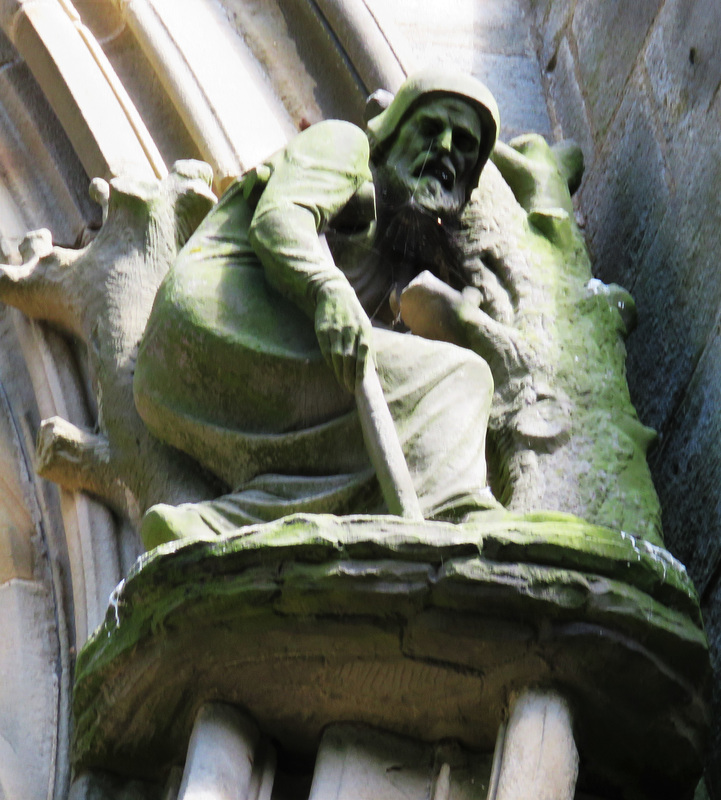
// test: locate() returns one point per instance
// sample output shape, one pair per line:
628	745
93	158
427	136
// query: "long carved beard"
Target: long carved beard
412	239
415	233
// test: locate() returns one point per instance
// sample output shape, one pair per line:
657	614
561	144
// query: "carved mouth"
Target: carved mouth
442	172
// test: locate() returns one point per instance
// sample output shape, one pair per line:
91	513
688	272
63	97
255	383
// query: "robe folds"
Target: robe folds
230	372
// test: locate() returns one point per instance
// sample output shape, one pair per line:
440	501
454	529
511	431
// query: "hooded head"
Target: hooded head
427	87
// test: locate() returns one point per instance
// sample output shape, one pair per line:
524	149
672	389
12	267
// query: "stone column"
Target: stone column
538	759
223	761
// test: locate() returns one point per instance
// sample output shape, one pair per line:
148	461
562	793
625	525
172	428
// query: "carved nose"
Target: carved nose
445	140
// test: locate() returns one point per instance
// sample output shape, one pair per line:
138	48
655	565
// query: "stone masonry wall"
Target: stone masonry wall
636	83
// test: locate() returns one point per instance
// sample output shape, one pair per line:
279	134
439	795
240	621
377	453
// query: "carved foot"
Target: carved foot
165	523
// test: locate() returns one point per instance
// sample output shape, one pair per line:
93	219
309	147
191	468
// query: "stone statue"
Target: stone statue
474	298
228	347
257	339
254	401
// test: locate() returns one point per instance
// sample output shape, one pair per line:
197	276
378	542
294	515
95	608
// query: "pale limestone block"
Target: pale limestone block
608	38
16	552
515	81
553	29
75	75
539	758
361	763
361	30
86	525
356	763
571	115
446	40
223	761
212	80
626	197
17	528
267	29
28	692
493	40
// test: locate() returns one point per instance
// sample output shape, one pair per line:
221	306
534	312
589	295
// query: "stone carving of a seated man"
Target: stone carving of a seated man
258	338
254	363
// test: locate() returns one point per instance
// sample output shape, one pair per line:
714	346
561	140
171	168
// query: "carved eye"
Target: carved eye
430	126
466	142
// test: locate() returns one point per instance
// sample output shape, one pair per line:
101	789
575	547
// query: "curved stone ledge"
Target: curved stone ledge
426	630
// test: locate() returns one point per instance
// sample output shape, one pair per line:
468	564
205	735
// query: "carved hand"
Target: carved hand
344	332
430	308
434	310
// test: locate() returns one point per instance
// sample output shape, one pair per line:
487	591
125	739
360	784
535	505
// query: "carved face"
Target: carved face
434	153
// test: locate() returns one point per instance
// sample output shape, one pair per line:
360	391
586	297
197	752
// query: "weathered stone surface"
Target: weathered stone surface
103	294
95	112
28	658
684	66
491	40
569	103
688	471
625	194
355	762
562	430
539	756
359	587
712	618
18	554
298	627
224	759
162	118
466	584
503	27
608	37
554	540
49	182
674	362
552	31
652	209
540	8
297	47
429	35
510	77
674	276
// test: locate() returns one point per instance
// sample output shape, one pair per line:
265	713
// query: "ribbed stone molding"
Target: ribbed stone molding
92	105
214	84
378	61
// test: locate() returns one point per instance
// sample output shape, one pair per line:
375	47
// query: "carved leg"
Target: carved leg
223	761
539	759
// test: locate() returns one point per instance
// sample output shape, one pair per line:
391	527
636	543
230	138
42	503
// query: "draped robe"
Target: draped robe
230	372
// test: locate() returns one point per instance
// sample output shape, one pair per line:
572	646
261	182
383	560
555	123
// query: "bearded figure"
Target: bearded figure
258	337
